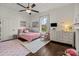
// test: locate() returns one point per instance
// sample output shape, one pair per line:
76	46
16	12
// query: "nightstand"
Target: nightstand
14	36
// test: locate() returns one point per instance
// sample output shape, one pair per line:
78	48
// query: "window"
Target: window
44	24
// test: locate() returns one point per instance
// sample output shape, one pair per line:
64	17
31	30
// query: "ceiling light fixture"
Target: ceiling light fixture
28	11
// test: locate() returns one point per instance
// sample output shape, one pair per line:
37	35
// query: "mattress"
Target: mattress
29	36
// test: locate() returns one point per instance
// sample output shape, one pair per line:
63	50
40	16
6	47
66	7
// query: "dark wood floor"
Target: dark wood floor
51	49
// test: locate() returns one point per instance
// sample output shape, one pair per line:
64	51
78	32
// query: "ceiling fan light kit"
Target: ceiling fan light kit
28	9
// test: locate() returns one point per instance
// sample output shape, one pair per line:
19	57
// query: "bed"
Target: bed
29	35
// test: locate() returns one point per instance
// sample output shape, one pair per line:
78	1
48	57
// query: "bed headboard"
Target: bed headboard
23	30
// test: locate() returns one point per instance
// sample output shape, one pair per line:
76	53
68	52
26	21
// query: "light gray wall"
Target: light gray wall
12	18
10	22
58	14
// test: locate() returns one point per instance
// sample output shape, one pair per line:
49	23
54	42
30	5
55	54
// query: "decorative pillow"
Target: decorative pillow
25	31
33	30
71	52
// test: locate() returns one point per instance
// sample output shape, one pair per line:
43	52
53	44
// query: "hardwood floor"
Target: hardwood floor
51	49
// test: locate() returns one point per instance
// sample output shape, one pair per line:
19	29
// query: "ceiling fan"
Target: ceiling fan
28	9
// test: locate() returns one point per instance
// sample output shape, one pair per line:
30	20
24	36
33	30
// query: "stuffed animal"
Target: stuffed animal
71	52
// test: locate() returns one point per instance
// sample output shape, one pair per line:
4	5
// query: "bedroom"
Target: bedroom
40	31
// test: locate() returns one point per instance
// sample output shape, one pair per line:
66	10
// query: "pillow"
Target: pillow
25	31
21	29
33	30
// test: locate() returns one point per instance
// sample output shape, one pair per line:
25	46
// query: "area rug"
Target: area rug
12	48
35	45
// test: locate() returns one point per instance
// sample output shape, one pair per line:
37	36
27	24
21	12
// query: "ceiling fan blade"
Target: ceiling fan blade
22	10
33	5
35	11
21	5
28	5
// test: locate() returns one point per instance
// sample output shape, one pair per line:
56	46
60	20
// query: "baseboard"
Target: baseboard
6	40
62	43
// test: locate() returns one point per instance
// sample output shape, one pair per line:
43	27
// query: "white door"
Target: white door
0	28
5	29
77	40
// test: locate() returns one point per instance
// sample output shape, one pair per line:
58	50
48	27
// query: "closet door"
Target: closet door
0	28
5	29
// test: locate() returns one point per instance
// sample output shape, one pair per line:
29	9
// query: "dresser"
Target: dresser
61	36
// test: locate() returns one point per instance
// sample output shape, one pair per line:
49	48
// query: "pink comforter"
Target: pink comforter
29	36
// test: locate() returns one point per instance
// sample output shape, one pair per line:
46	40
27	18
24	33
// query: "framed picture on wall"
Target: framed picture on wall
22	23
35	24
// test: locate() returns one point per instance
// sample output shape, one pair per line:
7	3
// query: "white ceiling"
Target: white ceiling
41	7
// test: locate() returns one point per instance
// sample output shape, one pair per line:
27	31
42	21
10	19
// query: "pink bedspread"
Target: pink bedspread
29	36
